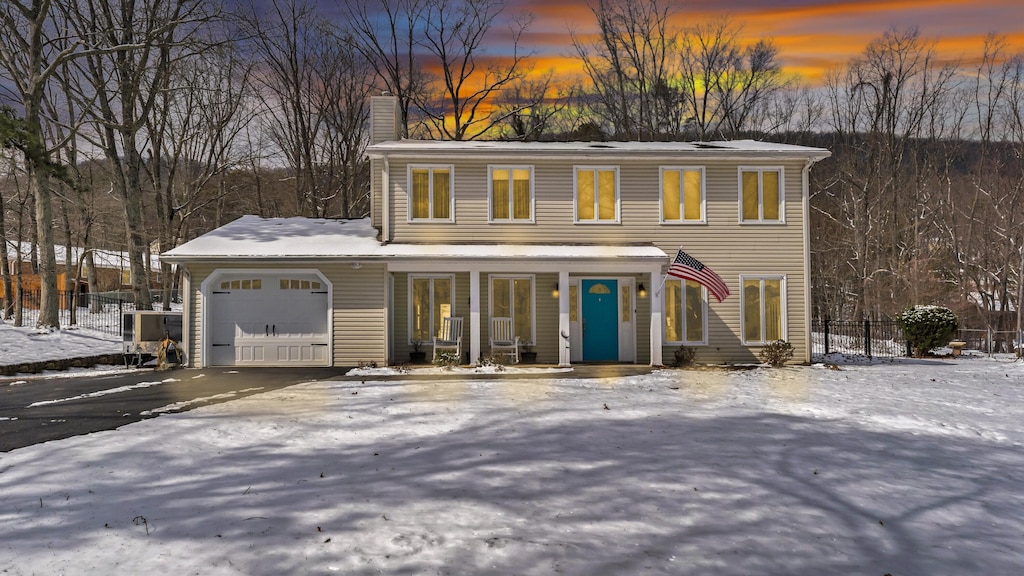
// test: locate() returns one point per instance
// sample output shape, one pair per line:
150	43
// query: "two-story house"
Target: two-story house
570	240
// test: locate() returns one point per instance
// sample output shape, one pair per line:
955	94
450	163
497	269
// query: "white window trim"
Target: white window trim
760	193
533	301
451	192
576	196
704	317
409	296
682	208
511	208
743	307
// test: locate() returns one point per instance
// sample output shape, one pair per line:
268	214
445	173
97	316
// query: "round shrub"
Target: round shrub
927	327
776	353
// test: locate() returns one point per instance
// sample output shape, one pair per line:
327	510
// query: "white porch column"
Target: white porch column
474	316
563	318
656	321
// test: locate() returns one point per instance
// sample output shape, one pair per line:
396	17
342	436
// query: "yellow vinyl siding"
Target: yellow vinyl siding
723	243
359	308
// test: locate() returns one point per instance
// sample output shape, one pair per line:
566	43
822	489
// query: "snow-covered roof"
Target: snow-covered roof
256	237
492	251
309	238
740	149
102	258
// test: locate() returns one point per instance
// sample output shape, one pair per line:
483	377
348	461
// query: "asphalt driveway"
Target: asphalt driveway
40	409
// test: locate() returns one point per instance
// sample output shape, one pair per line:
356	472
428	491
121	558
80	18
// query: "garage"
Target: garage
279	318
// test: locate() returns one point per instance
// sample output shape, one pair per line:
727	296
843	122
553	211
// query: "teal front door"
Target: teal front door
600	313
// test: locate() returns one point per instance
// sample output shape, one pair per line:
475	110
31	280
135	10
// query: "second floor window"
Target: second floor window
682	195
761	195
597	194
511	194
430	193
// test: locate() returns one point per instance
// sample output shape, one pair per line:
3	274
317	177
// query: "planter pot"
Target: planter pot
417	357
528	357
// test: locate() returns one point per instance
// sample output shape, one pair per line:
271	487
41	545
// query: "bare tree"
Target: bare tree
534	108
198	117
386	33
133	48
457	101
314	88
29	61
885	106
633	68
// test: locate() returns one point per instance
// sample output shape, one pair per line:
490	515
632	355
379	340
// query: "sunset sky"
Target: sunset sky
812	35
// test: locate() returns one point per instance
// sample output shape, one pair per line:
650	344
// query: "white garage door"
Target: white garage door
268	320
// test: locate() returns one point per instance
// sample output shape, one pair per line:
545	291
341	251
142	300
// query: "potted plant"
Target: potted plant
417	356
527	354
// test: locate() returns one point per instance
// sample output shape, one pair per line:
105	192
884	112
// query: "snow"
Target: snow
101	258
27	344
305	238
901	467
421	149
293	237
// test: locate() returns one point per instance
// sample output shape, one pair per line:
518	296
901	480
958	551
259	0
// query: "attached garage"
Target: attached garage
267	318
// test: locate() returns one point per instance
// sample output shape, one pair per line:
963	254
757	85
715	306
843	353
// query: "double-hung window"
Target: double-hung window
512	297
764	309
685	312
430	193
762	195
682	195
511	196
597	194
430	300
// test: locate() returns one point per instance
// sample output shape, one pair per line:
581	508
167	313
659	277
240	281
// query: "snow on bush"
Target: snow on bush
776	353
927	327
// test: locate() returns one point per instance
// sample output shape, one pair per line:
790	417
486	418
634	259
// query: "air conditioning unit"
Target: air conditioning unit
143	332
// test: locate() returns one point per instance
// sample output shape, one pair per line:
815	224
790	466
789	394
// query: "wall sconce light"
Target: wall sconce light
554	291
357	265
641	290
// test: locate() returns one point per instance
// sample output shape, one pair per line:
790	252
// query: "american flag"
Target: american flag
689	268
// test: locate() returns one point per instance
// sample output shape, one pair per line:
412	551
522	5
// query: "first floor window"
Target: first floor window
685	312
512	297
511	194
763	309
430	300
430	195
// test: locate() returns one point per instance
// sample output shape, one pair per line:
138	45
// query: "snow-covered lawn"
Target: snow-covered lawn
26	344
906	468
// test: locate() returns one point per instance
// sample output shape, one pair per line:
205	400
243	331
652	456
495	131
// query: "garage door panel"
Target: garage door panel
278	320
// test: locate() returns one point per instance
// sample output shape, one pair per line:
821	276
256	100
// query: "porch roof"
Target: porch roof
527	251
256	238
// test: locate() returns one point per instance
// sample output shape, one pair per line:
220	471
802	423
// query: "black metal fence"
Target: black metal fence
871	338
99	312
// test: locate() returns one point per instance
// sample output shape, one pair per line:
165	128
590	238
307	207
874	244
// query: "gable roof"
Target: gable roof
723	150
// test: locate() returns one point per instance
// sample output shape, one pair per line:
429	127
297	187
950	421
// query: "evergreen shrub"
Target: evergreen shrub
927	327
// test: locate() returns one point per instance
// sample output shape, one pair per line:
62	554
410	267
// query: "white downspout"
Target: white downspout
385	201
806	207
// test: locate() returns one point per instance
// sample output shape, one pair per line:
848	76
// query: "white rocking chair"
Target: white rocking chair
450	337
502	339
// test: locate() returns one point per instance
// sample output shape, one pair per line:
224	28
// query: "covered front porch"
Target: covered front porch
567	303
